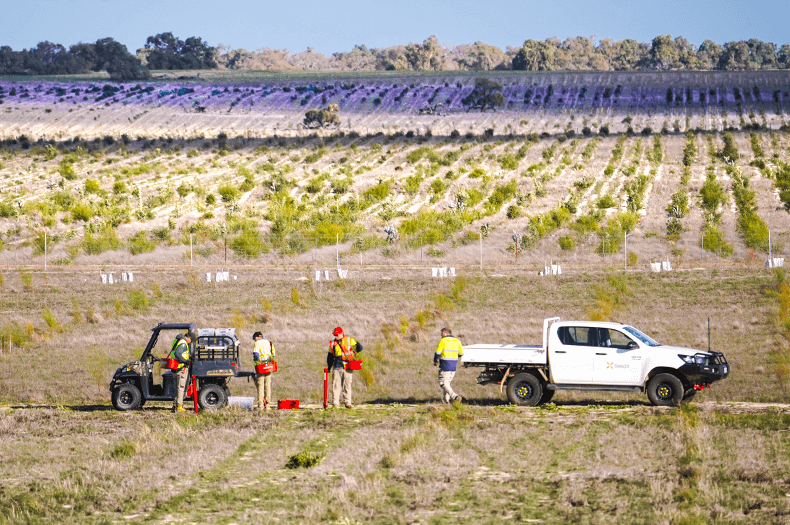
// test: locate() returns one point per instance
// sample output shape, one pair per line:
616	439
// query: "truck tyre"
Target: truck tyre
126	397
689	395
665	390
212	397
547	395
524	390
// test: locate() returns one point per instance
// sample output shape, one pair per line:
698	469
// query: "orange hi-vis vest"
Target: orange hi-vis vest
343	349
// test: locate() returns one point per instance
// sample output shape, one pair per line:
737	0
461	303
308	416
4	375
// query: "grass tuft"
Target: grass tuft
124	450
304	459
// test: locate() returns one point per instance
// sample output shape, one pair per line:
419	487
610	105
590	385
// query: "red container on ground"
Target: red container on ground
287	404
355	364
266	368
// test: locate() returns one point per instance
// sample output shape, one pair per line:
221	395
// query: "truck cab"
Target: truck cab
594	355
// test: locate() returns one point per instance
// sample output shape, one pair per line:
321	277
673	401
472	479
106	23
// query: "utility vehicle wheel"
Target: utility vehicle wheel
547	395
665	390
524	390
126	397
212	397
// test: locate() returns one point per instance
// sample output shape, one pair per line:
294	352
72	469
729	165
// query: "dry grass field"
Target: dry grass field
173	194
401	457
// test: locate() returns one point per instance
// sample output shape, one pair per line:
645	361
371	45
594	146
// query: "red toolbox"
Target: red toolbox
287	404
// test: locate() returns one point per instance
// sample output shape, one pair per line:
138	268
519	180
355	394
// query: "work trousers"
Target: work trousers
341	381
263	382
445	378
181	385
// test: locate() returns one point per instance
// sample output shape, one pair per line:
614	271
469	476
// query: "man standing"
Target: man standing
180	352
448	352
263	352
341	351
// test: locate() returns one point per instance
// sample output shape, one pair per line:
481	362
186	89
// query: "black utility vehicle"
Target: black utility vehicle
214	361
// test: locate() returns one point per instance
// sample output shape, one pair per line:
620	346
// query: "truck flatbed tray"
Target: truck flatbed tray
511	354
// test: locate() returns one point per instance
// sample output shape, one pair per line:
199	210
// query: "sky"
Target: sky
330	27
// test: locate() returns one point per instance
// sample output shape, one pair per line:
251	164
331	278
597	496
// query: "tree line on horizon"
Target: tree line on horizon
165	51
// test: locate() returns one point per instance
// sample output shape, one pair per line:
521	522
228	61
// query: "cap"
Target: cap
337	331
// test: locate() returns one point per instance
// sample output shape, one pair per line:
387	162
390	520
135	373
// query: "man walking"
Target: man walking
341	351
263	352
180	352
448	352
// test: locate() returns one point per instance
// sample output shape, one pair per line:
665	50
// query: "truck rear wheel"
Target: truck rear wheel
525	390
126	397
665	390
212	397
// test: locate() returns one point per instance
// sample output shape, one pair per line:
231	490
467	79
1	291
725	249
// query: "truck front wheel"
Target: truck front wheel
665	390
524	390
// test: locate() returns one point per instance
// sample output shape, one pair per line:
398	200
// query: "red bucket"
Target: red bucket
287	404
355	364
266	368
171	364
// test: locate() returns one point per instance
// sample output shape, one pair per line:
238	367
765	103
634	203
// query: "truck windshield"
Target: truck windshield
642	337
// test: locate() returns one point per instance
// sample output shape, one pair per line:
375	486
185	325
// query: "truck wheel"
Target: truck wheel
212	397
665	390
126	397
689	395
547	395
524	390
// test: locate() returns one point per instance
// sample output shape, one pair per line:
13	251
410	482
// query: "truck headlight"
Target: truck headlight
698	359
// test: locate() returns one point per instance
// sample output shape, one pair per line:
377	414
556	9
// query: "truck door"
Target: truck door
618	359
572	355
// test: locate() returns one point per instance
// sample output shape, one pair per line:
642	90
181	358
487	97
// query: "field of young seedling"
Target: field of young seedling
691	166
174	179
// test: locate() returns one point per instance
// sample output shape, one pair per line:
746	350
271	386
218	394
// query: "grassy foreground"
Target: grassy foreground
427	464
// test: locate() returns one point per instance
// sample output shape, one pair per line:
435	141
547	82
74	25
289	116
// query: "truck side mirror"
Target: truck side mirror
632	345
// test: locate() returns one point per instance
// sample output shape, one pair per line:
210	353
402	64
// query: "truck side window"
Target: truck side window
578	336
619	339
586	336
564	335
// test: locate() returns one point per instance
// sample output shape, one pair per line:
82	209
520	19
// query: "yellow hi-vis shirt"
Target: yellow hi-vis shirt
448	351
265	351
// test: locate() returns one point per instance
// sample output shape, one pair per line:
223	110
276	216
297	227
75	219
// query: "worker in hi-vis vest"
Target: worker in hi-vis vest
446	357
341	350
263	352
180	352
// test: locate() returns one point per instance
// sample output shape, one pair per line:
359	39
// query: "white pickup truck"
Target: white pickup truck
590	355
